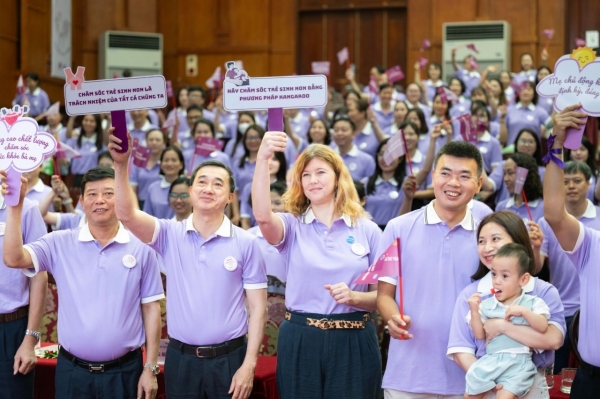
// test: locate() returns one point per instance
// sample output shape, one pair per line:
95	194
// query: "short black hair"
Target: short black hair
194	108
218	164
195	88
517	251
33	76
574	167
105	154
461	149
95	174
379	68
360	189
279	187
180	180
127	73
343	118
385	86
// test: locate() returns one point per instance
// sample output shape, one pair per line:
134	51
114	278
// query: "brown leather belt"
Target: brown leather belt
331	323
16	315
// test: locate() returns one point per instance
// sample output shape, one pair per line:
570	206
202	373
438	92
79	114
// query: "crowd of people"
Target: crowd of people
490	284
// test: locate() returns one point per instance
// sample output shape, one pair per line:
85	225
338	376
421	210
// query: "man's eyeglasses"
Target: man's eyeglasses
179	195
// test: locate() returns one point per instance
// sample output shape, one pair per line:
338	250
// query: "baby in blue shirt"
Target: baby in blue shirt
507	362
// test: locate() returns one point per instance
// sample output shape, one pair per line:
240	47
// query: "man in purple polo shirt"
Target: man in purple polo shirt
212	267
564	274
108	287
582	246
22	303
438	257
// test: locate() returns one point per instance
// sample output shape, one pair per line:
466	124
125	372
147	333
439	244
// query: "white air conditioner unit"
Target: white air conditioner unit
491	39
141	53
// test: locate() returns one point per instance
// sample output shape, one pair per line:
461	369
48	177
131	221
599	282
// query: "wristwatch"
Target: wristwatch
153	367
35	334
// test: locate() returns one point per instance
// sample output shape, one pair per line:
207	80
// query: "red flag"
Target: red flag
343	55
64	151
481	126
548	33
388	264
394	74
320	67
472	48
141	155
467	128
20	86
395	148
446	95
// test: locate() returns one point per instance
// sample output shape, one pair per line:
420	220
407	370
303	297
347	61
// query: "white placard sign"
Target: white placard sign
102	96
240	92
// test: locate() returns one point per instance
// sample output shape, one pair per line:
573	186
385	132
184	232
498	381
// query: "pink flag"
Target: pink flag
169	89
170	122
394	74
520	177
473	63
423	62
64	151
214	81
467	129
343	55
446	95
373	86
472	48
141	155
54	109
320	67
579	42
481	126
518	85
548	33
388	264
207	145
20	86
425	45
395	148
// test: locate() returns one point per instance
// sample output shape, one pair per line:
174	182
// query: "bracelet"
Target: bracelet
67	201
35	334
552	153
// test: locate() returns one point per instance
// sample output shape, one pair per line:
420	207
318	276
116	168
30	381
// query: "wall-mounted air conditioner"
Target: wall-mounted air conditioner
141	53
491	39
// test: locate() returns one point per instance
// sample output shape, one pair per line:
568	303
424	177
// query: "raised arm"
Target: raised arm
15	256
430	156
270	224
352	78
376	128
139	223
453	55
564	225
70	126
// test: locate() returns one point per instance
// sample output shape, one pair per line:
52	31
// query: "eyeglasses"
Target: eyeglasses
179	195
525	141
255	138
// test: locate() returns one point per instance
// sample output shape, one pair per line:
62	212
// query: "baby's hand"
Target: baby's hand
514	310
474	301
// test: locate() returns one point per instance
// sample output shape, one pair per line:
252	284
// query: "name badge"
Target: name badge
530	118
362	146
483	150
129	261
358	249
186	144
2	228
393	194
352	167
230	263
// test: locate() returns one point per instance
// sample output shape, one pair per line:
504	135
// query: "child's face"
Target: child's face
505	278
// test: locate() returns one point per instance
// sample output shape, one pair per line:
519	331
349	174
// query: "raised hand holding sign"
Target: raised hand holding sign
22	148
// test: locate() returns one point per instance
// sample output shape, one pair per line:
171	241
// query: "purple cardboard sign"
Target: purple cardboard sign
207	145
320	67
576	79
520	177
395	74
240	92
141	155
84	97
119	122
23	147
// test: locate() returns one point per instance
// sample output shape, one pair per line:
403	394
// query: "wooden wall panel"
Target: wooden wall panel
308	26
9	50
527	20
582	15
397	41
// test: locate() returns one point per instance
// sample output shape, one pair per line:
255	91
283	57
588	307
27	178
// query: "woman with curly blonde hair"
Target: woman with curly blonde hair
327	344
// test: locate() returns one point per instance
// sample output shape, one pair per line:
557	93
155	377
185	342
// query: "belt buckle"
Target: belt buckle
98	368
323	324
214	352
